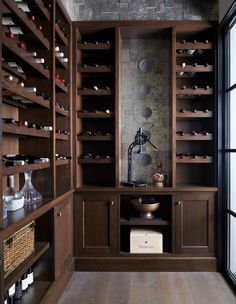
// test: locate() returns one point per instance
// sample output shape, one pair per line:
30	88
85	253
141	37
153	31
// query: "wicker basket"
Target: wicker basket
18	247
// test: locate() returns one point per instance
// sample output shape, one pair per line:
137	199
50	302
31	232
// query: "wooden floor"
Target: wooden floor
147	288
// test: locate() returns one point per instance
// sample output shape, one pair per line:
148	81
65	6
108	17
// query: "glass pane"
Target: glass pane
232	55
232	119
232	245
232	181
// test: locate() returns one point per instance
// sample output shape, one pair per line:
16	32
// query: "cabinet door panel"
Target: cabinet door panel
63	235
194	223
97	225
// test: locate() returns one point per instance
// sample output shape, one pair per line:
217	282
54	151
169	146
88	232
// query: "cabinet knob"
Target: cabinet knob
111	203
59	214
179	203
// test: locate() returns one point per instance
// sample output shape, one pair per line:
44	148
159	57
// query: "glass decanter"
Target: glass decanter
31	195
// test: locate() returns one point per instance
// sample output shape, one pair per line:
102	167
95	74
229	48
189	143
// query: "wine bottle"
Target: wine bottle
30	276
20	84
23	6
8	78
180	133
180	51
195	87
18	291
7	20
39	27
64	60
21	45
182	110
39	60
194	133
95	88
11	293
191	51
31	89
200	51
183	87
24	280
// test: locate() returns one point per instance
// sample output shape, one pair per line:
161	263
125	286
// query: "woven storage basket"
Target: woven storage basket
18	247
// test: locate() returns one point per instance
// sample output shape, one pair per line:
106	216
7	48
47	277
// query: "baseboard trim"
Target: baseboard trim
146	264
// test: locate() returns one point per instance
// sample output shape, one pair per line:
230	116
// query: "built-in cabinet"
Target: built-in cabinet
118	69
194	223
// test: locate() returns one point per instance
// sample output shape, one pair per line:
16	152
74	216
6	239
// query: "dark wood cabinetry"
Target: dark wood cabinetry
63	234
97	226
194	223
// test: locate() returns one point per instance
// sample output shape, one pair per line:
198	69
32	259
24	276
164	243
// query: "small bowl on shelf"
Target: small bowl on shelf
145	206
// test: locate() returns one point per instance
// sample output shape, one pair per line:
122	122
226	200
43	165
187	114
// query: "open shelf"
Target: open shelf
28	23
20	169
95	115
199	91
11	44
61	35
140	222
93	92
93	69
195	46
96	161
40	249
194	137
198	68
15	130
92	46
194	115
95	138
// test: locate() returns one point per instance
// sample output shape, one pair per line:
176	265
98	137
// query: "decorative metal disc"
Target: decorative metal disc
144	65
146	112
145	160
145	89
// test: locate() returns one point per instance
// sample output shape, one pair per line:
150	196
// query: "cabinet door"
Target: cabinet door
97	224
194	223
63	234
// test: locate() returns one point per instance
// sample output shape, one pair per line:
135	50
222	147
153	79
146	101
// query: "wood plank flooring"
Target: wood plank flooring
147	288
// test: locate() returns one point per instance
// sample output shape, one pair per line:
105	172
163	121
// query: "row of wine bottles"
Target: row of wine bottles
107	111
25	123
17	290
194	111
96	88
195	87
192	155
94	65
96	42
194	133
94	156
20	84
13	160
95	133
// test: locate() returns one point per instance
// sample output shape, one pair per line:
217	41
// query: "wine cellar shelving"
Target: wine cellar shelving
95	107
36	130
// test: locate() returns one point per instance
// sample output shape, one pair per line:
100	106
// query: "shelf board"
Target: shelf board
198	68
194	137
95	115
20	169
61	86
35	293
27	23
13	71
42	8
24	56
62	162
92	46
40	249
62	111
94	92
61	35
15	130
129	254
93	69
95	138
191	160
194	46
161	222
193	115
200	91
60	136
61	63
96	161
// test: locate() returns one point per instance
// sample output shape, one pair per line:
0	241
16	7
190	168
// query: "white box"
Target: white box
146	240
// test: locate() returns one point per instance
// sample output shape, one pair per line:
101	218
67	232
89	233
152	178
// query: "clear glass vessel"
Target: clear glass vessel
30	194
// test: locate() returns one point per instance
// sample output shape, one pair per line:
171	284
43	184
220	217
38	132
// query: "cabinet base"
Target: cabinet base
146	264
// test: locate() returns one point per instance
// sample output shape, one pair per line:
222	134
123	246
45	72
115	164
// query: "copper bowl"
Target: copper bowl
145	206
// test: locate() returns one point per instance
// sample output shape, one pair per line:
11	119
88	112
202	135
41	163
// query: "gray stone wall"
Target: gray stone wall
82	10
134	98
